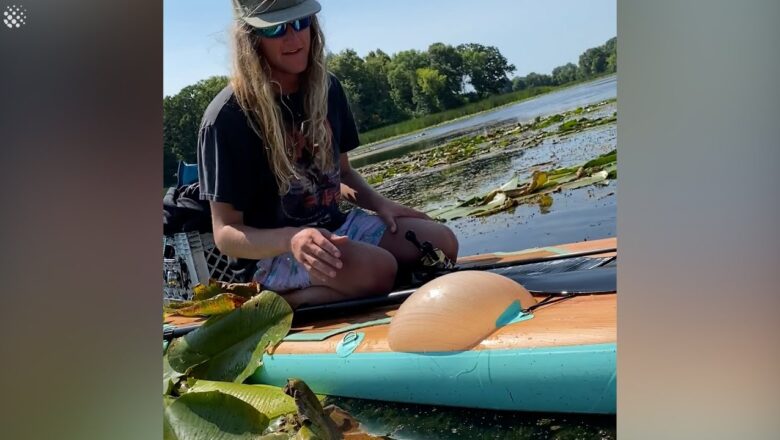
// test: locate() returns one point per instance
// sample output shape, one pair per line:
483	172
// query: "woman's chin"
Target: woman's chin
295	67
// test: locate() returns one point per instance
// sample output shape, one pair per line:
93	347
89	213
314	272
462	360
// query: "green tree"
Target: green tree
402	76
518	83
182	114
351	71
611	48
564	74
448	62
534	79
485	67
384	110
366	85
593	62
432	86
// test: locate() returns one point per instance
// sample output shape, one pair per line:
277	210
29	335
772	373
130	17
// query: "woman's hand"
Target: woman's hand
389	211
316	250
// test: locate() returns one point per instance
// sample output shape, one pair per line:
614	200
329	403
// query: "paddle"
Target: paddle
581	282
563	284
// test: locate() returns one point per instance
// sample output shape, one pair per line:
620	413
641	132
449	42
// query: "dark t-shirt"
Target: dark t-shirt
233	166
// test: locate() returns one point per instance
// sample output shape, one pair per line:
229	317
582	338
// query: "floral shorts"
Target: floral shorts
284	272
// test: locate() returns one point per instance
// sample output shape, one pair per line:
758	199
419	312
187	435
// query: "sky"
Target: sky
535	36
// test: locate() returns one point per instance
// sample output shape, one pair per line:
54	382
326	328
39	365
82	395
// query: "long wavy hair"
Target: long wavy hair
257	94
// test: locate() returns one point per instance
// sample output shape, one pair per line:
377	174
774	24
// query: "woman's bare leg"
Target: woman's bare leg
312	296
367	271
370	270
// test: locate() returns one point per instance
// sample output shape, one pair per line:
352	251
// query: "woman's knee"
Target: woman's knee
448	242
368	270
381	271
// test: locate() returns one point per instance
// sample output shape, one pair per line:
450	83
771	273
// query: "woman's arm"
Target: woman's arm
355	190
312	247
234	238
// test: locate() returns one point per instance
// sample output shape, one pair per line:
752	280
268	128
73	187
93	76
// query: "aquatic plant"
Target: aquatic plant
535	190
458	150
203	393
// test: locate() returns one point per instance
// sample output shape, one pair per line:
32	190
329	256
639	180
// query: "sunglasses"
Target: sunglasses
280	29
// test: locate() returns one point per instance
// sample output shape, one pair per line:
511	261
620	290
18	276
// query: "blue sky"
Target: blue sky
535	36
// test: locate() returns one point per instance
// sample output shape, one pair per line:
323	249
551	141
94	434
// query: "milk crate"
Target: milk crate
190	258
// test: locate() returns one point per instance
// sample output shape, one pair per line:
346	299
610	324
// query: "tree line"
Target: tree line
384	89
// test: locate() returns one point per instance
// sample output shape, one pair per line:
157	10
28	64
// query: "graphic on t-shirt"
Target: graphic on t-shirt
314	197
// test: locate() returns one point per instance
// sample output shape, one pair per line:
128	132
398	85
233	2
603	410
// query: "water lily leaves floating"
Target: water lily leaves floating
586	181
217	305
211	415
500	202
538	178
535	190
229	347
269	400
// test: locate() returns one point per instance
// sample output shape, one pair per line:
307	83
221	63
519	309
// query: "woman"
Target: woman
273	164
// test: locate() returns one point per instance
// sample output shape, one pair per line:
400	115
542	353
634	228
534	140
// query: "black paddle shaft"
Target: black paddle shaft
596	281
580	282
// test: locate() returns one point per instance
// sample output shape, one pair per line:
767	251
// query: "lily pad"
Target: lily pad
210	416
513	192
229	347
269	400
586	181
201	292
170	376
222	303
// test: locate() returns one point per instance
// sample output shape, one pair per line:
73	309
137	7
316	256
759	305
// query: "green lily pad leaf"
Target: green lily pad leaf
175	305
586	181
210	416
602	160
229	347
170	376
222	303
538	178
499	203
512	184
554	174
455	214
201	292
269	400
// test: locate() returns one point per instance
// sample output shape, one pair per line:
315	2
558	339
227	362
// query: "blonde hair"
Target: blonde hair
257	94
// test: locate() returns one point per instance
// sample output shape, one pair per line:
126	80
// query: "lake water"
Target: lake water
577	215
556	102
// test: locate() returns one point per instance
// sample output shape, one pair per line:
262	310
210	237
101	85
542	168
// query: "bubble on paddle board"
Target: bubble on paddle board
455	312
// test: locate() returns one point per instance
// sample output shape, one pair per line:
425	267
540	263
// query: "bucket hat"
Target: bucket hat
267	13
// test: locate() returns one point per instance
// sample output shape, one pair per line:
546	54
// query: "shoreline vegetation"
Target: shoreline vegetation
387	133
394	95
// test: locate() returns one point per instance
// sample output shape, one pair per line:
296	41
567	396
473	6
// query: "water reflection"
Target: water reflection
406	421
